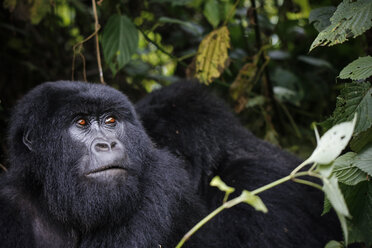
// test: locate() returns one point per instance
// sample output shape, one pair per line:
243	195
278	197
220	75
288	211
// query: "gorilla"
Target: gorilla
200	129
85	173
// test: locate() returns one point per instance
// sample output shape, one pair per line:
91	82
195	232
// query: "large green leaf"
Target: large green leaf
119	41
364	160
212	12
361	140
358	69
359	201
320	17
351	19
355	97
346	171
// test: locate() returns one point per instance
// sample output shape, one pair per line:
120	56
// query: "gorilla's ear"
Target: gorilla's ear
27	139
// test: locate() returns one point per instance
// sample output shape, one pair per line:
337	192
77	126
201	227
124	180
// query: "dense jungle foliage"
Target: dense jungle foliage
283	66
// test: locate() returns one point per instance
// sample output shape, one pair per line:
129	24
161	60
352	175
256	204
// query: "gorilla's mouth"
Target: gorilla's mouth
107	171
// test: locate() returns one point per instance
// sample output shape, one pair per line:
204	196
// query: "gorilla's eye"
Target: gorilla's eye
82	122
110	120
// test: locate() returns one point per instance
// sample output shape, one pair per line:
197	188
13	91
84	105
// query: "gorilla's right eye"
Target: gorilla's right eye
81	122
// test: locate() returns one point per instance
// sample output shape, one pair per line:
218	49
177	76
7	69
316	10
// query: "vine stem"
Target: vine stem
147	38
97	27
226	205
241	198
200	224
81	55
302	165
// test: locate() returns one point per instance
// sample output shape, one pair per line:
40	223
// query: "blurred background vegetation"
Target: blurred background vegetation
255	54
286	88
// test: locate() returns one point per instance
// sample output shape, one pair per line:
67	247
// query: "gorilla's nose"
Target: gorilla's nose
101	145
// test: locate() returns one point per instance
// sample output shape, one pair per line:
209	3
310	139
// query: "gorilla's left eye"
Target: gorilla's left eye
81	122
110	120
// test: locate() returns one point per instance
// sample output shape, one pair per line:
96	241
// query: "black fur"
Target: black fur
46	200
199	128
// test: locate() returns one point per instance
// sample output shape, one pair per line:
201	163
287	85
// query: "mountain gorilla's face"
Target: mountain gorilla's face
104	158
85	148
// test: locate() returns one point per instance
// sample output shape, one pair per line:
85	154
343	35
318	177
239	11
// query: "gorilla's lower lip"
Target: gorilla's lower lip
110	170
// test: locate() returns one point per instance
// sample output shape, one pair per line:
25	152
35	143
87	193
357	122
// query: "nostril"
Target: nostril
102	147
106	145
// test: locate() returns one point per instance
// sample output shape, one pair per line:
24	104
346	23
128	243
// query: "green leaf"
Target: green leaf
364	160
38	10
354	98
325	169
119	41
351	19
358	69
326	206
212	12
254	201
334	244
320	17
227	10
332	143
346	171
361	140
333	193
359	201
217	182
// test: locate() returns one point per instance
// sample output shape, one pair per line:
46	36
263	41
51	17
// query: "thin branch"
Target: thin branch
231	12
97	27
3	167
268	89
80	44
291	120
84	67
160	48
